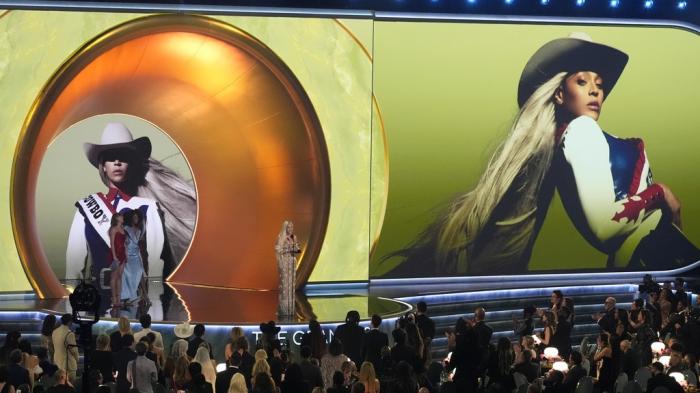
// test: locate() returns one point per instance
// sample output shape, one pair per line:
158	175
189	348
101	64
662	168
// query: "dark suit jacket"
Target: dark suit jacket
484	333
17	375
572	377
426	326
311	373
223	379
351	336
662	379
121	361
607	323
246	367
374	341
529	370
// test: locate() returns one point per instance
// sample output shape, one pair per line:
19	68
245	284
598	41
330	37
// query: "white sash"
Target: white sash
97	214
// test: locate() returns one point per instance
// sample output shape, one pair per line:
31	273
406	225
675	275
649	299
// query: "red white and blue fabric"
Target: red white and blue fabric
612	179
88	237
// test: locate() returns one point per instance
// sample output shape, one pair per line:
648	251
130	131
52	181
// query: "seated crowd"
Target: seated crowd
359	360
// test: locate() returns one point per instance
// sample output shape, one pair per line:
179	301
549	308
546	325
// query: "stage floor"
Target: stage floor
173	303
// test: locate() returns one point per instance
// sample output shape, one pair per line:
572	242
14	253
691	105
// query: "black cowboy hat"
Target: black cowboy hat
573	54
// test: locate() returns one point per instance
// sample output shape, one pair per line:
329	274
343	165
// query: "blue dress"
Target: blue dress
133	270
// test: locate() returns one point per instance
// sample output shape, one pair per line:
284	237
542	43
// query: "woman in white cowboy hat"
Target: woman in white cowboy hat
555	141
137	182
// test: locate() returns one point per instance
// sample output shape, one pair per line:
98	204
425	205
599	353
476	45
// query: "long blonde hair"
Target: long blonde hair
237	384
282	236
527	151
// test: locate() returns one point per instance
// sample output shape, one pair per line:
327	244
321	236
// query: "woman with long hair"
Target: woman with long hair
117	246
181	374
204	359
604	362
231	347
549	322
604	182
315	340
286	248
332	361
369	378
177	350
47	328
237	384
135	181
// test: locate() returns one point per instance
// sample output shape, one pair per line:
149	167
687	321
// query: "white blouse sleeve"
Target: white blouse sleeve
77	249
587	152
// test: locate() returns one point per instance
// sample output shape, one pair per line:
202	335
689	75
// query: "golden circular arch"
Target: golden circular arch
240	117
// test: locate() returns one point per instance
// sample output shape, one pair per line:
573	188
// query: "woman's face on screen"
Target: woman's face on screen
116	166
581	94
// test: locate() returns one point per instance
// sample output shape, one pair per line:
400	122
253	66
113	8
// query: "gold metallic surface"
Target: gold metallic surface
241	118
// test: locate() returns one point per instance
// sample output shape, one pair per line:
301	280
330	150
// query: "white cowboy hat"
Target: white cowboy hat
572	54
184	330
117	136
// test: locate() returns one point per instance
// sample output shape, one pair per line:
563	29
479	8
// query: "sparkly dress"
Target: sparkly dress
286	263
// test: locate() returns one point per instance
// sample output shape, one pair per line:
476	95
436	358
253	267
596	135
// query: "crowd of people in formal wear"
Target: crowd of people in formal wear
538	357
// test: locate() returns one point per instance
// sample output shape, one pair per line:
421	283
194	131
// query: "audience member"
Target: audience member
232	344
311	373
206	363
659	379
314	339
65	347
145	321
294	381
332	361
427	329
374	341
47	328
121	361
198	384
141	372
196	341
236	385
102	358
350	335
115	338
224	378
576	372
63	384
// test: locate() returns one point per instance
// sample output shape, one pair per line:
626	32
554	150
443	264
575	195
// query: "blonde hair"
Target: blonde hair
528	152
181	374
367	374
237	384
260	354
261	366
103	342
124	325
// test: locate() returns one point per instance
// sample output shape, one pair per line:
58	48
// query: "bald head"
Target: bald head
479	314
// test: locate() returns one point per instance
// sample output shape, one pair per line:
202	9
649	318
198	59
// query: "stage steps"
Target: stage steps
501	307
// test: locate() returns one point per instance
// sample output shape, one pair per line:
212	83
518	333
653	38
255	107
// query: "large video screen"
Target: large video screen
524	148
207	134
397	149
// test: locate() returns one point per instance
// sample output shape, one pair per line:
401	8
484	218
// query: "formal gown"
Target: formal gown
286	263
133	270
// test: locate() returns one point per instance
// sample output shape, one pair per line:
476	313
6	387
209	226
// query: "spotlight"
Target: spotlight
544	2
648	4
471	2
682	4
580	3
509	2
614	3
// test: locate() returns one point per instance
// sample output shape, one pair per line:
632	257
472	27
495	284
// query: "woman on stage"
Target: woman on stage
605	182
286	248
117	237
